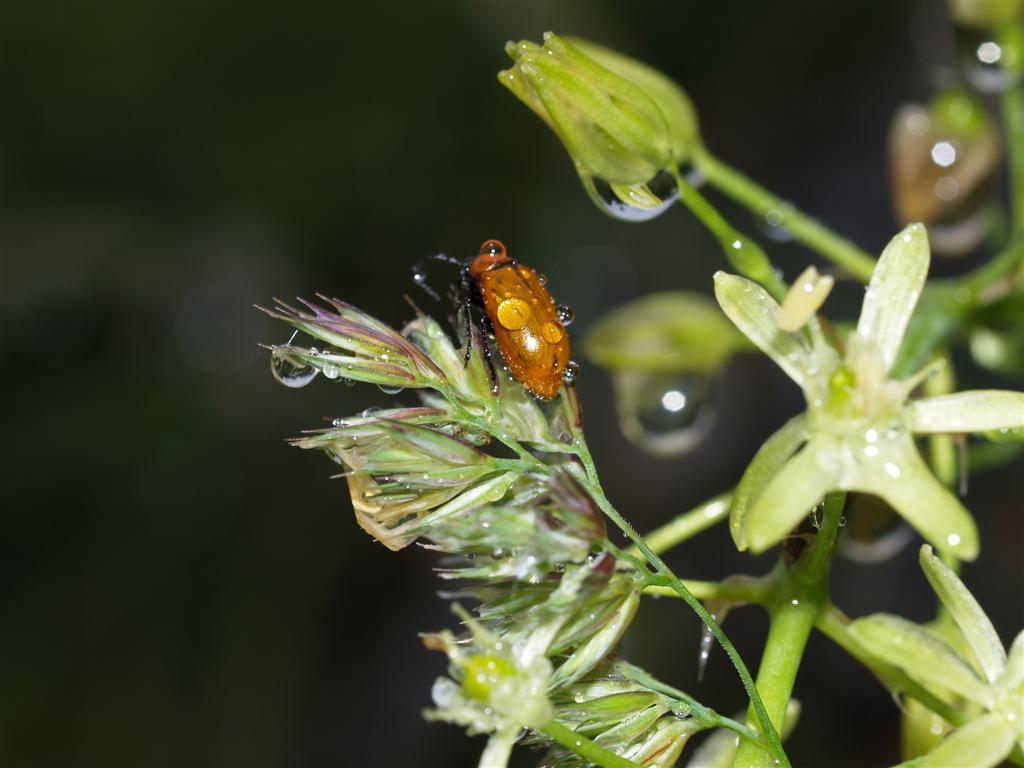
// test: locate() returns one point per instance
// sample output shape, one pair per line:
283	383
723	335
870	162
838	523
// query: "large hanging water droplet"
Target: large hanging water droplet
387	390
636	202
718	609
942	162
981	56
873	532
666	414
289	371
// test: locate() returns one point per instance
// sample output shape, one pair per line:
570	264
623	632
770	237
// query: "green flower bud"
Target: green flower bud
624	125
675	105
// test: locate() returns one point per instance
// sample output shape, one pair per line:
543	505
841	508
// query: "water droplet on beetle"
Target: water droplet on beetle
290	371
565	313
571	372
642	202
666	414
542	278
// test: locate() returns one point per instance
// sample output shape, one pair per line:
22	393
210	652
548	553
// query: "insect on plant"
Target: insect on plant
514	309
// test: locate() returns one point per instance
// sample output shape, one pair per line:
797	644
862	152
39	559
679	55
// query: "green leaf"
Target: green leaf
896	473
972	620
756	313
973	411
768	460
893	292
671	332
791	494
982	743
921	653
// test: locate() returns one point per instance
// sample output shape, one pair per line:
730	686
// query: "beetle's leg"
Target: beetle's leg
466	298
419	271
486	331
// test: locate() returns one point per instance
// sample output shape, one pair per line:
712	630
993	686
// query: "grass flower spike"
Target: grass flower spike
858	431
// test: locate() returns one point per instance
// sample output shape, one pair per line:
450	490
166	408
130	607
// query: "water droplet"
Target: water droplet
566	314
389	390
542	278
330	371
339	423
666	414
552	333
291	372
873	533
514	313
773	224
639	202
981	59
953	539
571	372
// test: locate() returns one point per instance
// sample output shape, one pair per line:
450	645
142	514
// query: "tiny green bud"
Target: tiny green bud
840	385
483	673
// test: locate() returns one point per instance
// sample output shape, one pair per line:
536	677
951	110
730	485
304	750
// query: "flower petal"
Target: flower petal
966	612
982	743
973	411
899	476
756	313
893	292
921	653
1013	676
790	495
769	458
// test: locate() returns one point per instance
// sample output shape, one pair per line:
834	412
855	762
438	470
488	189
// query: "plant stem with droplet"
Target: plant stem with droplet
664	577
811	233
799	597
744	254
584	747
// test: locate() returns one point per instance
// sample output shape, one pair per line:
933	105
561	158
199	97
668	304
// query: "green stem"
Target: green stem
704	716
1012	103
811	233
666	578
584	747
688	524
800	595
743	253
736	589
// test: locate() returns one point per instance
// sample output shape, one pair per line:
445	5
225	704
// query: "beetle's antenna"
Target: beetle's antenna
419	271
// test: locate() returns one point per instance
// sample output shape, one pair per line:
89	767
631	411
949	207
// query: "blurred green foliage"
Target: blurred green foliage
166	598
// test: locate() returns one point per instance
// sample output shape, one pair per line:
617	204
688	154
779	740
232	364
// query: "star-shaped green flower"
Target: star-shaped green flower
858	431
981	675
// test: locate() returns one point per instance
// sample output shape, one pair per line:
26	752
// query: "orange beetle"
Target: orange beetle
518	311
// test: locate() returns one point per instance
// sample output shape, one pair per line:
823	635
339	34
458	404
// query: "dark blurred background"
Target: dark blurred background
180	588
